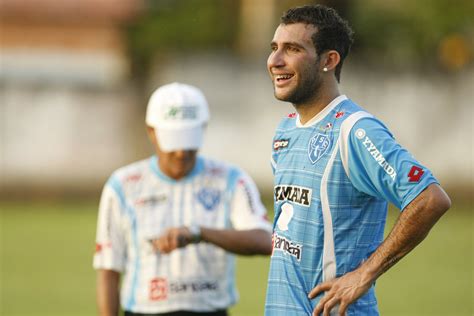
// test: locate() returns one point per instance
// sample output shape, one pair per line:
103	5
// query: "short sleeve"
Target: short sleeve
110	252
247	210
379	166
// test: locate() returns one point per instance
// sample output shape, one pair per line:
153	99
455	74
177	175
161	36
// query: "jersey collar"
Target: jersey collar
318	117
198	167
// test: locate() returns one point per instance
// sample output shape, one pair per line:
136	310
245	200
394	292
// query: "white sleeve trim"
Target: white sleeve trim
272	161
346	128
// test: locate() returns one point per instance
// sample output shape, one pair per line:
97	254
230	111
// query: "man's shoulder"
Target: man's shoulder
220	168
288	121
216	166
132	172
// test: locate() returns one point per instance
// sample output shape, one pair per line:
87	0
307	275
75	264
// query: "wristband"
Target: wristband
195	231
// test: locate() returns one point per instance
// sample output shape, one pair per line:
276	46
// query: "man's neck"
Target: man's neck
309	110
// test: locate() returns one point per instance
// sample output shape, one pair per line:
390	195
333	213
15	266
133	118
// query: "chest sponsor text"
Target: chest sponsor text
296	194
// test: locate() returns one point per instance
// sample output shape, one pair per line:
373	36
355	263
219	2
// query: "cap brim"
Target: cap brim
171	139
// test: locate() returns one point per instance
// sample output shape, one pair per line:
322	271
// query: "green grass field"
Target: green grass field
46	266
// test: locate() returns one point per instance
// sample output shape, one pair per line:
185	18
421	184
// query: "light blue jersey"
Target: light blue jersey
333	178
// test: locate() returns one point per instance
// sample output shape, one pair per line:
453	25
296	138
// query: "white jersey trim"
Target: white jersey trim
318	117
329	257
346	128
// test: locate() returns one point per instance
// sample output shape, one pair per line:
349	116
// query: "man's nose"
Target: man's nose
275	59
182	154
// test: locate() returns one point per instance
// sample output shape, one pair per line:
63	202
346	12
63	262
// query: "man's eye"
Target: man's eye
293	49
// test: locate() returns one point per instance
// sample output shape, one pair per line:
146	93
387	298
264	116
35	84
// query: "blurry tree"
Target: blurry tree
406	33
169	26
389	33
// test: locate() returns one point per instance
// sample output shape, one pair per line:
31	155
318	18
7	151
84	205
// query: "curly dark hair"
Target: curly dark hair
333	32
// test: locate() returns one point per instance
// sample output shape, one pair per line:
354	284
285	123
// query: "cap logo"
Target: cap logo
181	113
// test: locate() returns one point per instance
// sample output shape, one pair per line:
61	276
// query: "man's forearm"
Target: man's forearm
242	242
411	228
108	292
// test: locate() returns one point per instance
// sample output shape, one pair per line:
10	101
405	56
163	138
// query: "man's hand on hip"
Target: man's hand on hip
342	291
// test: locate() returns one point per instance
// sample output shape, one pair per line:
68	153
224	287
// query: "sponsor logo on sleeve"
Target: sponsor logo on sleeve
248	195
375	153
102	246
415	174
281	243
296	194
318	146
280	143
98	247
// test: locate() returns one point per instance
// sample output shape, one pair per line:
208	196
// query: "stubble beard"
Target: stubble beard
306	91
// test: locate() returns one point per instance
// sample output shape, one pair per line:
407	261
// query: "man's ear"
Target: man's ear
151	134
331	60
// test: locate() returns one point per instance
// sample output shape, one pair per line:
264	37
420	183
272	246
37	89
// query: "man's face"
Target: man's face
175	164
293	64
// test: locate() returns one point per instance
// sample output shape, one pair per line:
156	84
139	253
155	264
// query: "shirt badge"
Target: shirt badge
339	114
318	146
209	198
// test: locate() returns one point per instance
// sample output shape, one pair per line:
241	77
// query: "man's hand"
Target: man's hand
342	291
411	228
173	238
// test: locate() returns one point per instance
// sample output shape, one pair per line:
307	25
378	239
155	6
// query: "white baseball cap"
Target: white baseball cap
178	113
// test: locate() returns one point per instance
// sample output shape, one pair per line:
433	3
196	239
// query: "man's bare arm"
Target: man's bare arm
411	228
242	242
108	283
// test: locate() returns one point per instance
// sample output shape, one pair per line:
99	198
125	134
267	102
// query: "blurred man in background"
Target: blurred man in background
169	223
335	167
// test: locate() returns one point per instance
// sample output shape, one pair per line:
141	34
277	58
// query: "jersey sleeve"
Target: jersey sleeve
246	208
110	250
377	165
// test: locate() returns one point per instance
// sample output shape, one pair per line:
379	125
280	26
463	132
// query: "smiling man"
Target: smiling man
171	223
336	167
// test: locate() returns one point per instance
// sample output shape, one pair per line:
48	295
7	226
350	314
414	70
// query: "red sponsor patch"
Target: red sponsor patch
133	177
339	114
415	174
98	247
158	289
292	115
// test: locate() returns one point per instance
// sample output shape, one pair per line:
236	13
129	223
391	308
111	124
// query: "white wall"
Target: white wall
64	136
430	116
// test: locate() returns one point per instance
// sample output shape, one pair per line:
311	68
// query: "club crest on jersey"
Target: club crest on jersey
318	146
209	198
